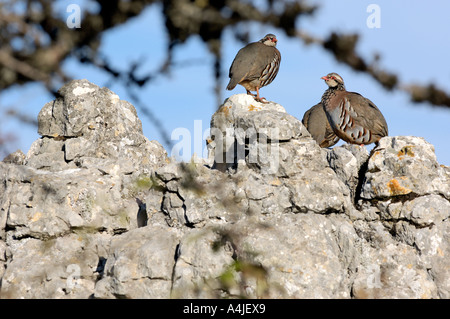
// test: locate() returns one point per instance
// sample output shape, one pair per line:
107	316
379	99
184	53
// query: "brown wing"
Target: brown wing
369	115
356	119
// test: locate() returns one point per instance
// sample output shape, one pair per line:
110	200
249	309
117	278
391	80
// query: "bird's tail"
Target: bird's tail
231	85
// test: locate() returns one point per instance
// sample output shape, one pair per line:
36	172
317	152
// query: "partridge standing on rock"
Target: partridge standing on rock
352	117
316	122
255	65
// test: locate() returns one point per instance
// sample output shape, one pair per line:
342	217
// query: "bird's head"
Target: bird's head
333	80
269	40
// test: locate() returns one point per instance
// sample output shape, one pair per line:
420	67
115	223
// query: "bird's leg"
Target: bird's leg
259	99
250	93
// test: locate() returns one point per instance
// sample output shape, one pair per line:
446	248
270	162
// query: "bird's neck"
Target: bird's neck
331	91
340	87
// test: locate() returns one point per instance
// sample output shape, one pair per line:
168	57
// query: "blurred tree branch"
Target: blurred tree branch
343	47
35	39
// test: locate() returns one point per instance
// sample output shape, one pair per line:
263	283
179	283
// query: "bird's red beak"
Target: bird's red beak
324	77
274	40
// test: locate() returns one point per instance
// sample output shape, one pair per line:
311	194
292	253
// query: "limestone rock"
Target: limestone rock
79	184
140	264
18	157
201	261
266	139
63	267
241	118
300	254
87	122
348	162
405	165
96	210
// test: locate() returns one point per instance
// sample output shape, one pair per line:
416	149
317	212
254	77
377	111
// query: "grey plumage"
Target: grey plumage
255	65
316	122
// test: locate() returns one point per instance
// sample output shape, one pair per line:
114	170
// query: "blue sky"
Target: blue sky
413	41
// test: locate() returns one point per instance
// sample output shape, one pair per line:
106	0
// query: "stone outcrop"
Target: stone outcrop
96	210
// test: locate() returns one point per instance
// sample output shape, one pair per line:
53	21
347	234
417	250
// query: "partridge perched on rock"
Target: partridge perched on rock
352	117
316	122
255	65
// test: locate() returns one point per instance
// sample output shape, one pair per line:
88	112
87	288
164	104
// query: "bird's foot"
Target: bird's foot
261	99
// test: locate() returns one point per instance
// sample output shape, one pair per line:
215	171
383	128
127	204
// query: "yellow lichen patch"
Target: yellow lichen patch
406	150
36	217
275	182
396	189
251	107
225	110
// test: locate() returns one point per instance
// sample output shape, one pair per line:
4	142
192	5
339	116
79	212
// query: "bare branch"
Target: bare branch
429	94
343	48
32	73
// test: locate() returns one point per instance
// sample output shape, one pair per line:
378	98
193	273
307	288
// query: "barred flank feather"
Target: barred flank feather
270	71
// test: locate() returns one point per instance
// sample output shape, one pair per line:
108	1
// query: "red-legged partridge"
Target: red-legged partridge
316	122
255	65
352	117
